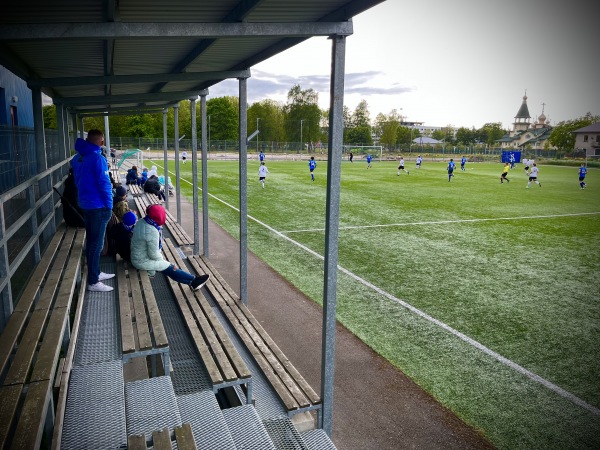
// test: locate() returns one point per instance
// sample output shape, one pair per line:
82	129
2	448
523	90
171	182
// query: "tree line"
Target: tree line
300	119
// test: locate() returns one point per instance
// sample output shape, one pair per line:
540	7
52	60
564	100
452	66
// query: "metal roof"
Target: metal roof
97	55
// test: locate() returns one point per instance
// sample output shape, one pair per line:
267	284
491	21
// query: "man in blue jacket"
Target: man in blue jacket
95	200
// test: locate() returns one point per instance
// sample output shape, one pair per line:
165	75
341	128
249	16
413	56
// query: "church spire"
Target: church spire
523	112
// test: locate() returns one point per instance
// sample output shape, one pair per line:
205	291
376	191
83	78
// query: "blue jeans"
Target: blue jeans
178	275
95	228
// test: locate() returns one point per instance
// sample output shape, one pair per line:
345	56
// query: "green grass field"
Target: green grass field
490	270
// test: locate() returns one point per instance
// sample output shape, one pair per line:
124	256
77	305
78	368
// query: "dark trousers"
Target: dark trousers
95	228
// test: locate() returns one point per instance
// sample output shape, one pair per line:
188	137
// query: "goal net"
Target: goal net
363	150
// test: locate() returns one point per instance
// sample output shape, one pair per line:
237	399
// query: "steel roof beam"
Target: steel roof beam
117	30
142	78
101	100
128	112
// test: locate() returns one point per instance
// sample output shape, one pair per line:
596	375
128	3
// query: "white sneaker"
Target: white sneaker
99	287
105	276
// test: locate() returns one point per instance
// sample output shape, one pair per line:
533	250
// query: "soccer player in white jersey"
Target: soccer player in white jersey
401	166
418	161
533	176
262	173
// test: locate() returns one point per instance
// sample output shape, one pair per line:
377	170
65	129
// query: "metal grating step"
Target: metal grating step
284	434
95	410
150	405
202	412
99	337
247	429
189	373
318	440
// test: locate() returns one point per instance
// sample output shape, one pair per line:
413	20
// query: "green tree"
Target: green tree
359	135
438	134
465	136
224	117
405	134
302	115
49	113
270	123
361	116
562	135
387	128
490	132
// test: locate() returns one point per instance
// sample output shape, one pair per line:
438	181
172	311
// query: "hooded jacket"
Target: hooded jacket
91	176
145	251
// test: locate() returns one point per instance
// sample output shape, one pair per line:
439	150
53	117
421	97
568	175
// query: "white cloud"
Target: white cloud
463	63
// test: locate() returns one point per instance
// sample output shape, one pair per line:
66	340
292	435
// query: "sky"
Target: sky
462	63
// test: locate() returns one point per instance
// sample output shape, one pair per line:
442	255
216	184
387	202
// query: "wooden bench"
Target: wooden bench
179	234
142	330
31	343
293	390
135	190
161	439
224	364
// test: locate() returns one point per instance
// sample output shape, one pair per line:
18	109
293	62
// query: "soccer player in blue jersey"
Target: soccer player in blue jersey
261	156
312	164
451	166
463	161
582	174
369	158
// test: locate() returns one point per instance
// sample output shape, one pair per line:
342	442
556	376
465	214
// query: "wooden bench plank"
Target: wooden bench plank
127	334
71	272
262	342
49	352
198	338
158	329
61	403
9	400
273	377
139	311
36	279
30	426
9	336
136	442
306	388
19	369
162	439
203	324
184	437
56	272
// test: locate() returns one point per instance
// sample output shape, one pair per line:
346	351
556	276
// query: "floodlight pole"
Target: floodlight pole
257	119
301	148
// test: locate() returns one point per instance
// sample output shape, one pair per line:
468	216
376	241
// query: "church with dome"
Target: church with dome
526	135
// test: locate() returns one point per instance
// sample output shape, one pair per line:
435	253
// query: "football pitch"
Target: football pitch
487	295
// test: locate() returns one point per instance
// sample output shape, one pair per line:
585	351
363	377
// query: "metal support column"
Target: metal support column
334	168
81	130
107	136
38	127
177	181
165	159
243	160
195	176
203	95
60	123
74	125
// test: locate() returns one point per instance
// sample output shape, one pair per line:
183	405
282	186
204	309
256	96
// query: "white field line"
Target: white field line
442	222
507	362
